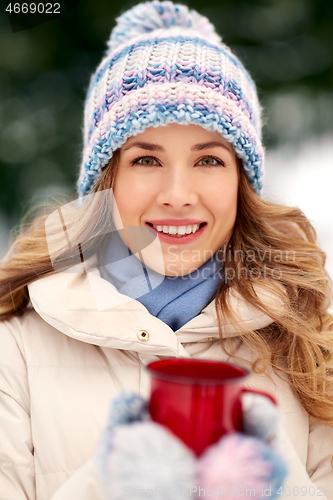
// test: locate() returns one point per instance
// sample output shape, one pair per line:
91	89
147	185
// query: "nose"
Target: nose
178	189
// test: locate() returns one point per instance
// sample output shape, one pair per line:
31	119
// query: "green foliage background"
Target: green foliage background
287	45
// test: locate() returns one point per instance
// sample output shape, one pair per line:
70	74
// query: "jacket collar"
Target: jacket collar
88	308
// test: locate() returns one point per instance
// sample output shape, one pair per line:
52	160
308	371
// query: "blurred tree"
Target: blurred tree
287	45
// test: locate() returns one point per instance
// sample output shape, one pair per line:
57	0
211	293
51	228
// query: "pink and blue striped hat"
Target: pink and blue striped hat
166	64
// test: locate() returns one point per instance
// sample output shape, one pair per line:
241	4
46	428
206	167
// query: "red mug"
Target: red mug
200	401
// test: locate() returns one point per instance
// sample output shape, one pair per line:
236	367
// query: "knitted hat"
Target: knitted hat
166	64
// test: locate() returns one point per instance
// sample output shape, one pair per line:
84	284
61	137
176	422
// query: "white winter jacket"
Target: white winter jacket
62	363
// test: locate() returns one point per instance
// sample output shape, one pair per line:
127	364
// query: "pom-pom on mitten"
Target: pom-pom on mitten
150	16
240	463
137	456
147	458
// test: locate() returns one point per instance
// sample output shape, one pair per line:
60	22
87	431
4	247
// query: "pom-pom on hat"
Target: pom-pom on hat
166	64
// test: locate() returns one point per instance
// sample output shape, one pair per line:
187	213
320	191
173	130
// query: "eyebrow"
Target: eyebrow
197	147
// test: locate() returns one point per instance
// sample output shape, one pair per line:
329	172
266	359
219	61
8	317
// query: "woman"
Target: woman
192	263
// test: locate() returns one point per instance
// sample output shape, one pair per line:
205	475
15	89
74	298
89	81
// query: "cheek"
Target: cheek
132	196
224	203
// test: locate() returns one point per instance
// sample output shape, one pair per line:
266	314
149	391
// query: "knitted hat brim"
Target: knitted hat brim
161	104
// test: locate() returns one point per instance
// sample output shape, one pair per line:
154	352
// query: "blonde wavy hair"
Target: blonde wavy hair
297	344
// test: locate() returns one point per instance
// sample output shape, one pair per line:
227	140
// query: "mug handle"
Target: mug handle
238	410
261	393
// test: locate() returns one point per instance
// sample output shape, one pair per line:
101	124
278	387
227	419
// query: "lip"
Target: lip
175	222
180	240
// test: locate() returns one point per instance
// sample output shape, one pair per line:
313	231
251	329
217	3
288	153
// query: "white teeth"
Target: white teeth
177	230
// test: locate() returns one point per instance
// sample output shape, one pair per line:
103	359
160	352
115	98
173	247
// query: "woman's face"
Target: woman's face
180	182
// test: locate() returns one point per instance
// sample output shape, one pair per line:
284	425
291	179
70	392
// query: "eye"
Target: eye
145	159
207	162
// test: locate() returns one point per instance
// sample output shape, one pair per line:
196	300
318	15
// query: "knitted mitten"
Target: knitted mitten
138	457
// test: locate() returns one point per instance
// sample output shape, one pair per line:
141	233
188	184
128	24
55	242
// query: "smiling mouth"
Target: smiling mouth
177	231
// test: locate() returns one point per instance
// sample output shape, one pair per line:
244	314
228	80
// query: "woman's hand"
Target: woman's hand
246	464
139	458
142	459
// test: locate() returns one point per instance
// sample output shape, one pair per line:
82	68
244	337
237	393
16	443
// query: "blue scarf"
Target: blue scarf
174	300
